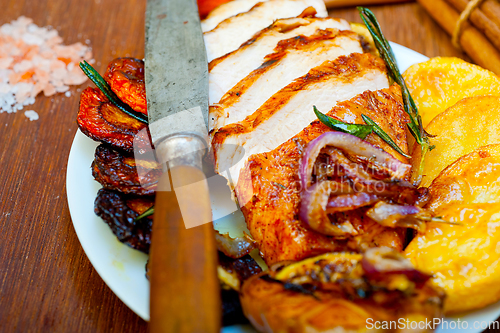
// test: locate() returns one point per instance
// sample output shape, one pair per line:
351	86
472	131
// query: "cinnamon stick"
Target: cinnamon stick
473	42
492	9
352	3
480	21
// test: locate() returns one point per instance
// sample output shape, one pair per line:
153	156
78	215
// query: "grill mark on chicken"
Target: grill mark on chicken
287	112
293	58
271	211
228	70
234	31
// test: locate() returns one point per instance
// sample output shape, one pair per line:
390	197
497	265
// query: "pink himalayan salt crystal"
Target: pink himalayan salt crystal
34	60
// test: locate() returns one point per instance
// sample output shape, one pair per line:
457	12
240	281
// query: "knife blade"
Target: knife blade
185	295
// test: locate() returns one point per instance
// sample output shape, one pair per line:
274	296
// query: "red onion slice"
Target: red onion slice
379	262
353	145
391	215
233	247
346	202
313	204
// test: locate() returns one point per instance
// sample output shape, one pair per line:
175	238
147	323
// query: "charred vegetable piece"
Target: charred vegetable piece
234	247
118	171
125	76
119	211
334	293
101	120
239	270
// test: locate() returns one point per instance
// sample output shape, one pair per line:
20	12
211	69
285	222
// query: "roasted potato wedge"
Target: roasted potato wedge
464	258
471	123
334	292
439	83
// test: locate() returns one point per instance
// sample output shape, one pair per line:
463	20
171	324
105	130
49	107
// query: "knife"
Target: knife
185	294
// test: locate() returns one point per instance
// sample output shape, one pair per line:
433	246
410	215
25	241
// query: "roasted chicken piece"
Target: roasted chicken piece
118	171
293	58
229	34
269	189
225	72
102	121
341	292
290	110
125	76
119	211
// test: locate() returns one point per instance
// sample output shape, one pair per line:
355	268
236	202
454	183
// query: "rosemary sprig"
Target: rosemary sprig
383	135
99	81
385	50
359	130
147	213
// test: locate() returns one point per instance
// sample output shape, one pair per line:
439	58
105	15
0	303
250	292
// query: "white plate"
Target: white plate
123	269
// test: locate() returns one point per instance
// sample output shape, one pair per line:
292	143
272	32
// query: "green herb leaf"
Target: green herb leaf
415	125
383	135
147	213
361	131
99	81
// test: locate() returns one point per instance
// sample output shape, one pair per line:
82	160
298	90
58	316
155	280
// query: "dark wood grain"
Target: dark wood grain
47	283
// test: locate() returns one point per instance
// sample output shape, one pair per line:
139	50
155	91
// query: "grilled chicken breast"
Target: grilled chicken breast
293	58
290	110
225	72
234	31
269	185
226	10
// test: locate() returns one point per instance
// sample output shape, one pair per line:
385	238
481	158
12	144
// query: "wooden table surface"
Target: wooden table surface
47	284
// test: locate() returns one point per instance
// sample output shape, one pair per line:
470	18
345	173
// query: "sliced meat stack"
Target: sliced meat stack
271	62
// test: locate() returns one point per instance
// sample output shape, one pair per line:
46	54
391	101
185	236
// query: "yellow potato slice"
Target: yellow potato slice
439	83
465	259
471	123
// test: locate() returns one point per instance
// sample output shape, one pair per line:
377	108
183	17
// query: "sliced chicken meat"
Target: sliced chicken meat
226	10
227	71
269	187
290	110
234	31
293	58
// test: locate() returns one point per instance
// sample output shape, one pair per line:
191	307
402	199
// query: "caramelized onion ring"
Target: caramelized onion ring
312	209
353	145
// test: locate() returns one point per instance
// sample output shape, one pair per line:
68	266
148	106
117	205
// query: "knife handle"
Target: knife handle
185	291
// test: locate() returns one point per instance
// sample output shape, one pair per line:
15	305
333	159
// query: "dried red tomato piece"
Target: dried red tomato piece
101	120
126	78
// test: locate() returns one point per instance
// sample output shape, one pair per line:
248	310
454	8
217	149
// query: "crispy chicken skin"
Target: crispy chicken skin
269	186
126	78
102	121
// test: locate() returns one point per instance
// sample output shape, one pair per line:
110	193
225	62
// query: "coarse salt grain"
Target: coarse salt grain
34	60
31	115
